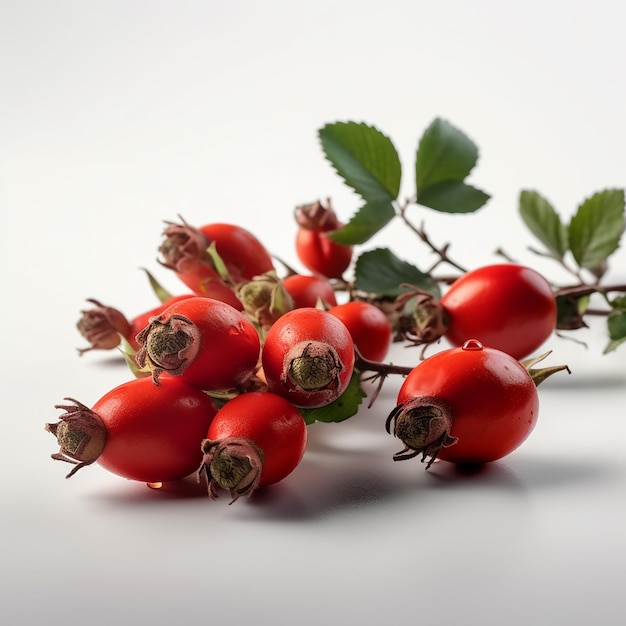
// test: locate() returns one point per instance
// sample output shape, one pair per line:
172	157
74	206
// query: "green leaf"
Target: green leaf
444	153
596	228
570	312
543	222
616	324
445	157
381	272
365	158
453	196
369	219
619	303
342	408
613	345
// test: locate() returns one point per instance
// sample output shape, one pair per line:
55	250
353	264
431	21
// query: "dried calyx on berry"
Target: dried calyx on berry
80	434
313	366
316	216
423	425
168	345
234	464
102	327
264	298
183	247
425	318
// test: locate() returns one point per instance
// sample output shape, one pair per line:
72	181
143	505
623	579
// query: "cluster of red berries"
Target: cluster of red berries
224	372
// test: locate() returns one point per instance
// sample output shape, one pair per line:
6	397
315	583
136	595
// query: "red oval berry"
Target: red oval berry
206	342
468	405
185	250
138	430
507	306
256	439
308	357
369	327
317	251
309	291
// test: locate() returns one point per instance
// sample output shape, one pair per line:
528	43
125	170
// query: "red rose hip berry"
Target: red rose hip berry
309	291
185	251
468	405
317	251
137	430
205	342
256	439
308	357
506	306
369	327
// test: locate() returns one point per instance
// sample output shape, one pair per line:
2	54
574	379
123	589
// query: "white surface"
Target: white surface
116	116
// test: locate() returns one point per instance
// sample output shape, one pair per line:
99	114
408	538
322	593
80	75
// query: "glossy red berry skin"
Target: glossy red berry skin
185	251
490	401
309	291
308	357
137	430
320	254
506	306
316	250
271	423
369	327
242	252
154	433
205	342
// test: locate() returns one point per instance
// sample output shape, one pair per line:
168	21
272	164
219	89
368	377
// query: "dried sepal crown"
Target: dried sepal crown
80	433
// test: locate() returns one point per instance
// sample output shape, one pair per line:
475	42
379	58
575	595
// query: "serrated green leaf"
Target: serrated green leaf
444	153
364	224
342	408
365	158
381	272
596	228
543	222
452	196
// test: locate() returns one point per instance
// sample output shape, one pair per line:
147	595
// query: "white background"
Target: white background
116	116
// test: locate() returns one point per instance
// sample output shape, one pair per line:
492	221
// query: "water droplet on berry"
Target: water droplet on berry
472	344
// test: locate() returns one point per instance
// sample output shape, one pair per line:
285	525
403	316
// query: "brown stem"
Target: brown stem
421	233
381	369
584	289
599	312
